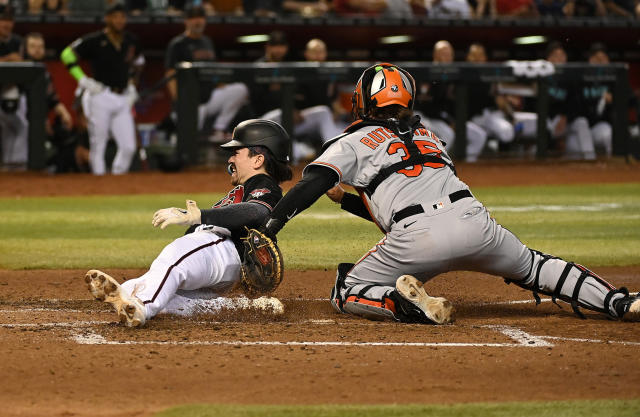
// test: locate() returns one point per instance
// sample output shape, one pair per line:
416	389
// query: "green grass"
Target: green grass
603	408
116	231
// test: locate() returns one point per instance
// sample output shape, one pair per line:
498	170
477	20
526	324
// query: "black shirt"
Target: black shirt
310	94
438	102
109	65
52	96
594	107
183	48
261	189
265	96
13	44
480	98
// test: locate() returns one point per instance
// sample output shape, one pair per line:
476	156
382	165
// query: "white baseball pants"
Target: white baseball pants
108	112
224	103
495	124
14	130
316	120
476	136
202	259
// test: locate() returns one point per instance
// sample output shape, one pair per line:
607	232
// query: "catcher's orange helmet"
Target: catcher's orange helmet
382	85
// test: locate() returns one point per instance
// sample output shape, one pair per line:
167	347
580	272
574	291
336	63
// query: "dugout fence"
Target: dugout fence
30	77
189	76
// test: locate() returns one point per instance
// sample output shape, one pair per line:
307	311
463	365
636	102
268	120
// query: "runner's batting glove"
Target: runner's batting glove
165	217
90	85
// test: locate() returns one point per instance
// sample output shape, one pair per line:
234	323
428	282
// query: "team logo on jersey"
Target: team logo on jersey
259	192
233	197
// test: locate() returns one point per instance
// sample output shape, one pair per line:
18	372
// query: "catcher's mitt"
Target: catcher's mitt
263	267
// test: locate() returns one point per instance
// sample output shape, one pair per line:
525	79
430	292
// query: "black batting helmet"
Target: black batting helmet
261	132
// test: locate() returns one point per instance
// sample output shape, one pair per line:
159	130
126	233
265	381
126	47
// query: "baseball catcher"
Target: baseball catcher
432	222
218	251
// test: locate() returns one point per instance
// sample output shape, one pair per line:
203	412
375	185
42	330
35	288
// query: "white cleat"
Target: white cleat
268	304
104	288
437	309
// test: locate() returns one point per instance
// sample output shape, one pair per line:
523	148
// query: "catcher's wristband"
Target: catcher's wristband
272	227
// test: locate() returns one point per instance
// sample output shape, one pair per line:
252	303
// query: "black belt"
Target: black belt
417	209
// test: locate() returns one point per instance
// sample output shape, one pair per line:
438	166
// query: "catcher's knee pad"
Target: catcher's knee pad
569	282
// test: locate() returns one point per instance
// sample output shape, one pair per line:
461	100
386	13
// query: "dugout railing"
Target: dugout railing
189	76
30	77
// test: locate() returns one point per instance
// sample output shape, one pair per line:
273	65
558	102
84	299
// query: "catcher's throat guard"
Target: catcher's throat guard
262	268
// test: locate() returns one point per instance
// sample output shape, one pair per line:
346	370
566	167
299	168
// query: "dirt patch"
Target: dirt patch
67	356
64	355
216	180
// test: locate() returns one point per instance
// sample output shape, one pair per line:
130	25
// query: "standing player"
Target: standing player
222	101
209	255
432	222
115	60
13	104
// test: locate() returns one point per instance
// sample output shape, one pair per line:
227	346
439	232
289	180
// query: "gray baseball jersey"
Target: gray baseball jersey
433	224
358	157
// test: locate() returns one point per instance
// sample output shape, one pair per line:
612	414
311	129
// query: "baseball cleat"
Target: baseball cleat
437	310
628	307
104	288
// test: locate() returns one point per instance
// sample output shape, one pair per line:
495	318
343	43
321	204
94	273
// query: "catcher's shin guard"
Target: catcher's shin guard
336	292
407	303
572	283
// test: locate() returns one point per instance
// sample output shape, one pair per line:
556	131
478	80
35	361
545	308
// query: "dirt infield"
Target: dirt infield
63	355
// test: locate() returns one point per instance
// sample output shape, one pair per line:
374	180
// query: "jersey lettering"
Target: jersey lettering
381	134
425	147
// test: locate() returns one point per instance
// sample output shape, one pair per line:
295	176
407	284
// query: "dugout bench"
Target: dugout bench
462	74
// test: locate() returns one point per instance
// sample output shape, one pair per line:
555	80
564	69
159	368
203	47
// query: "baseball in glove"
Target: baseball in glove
263	267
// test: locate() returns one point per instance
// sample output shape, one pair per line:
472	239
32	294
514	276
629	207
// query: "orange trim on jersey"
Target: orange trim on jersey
375	249
352	124
335	168
366	205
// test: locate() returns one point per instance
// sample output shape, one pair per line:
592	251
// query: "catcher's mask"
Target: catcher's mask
261	132
382	85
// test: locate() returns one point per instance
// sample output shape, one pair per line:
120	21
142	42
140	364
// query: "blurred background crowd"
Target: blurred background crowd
465	9
502	117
